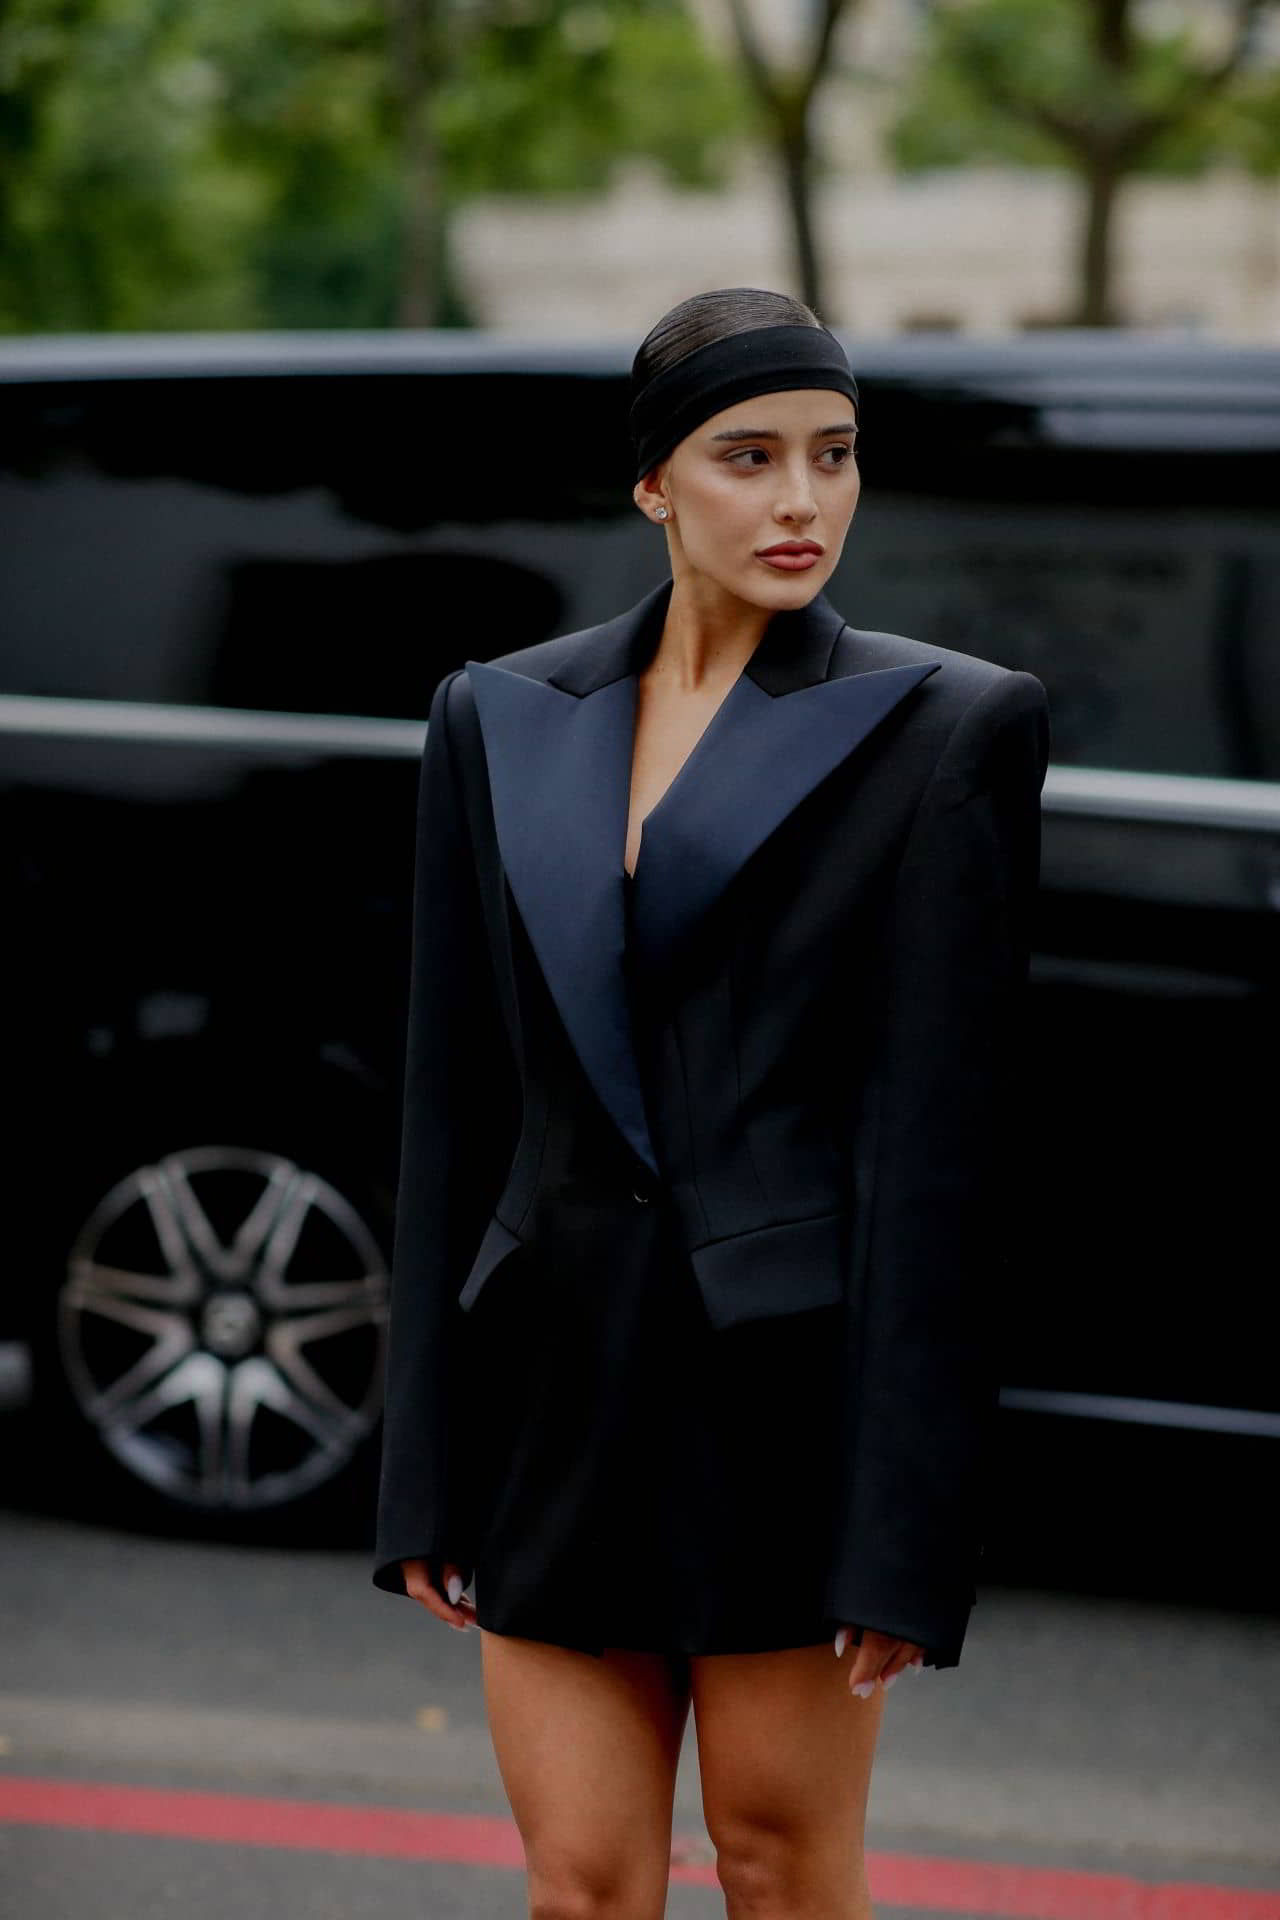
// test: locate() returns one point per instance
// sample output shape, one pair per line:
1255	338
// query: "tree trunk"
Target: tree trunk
1102	180
1103	177
419	298
787	104
414	41
796	150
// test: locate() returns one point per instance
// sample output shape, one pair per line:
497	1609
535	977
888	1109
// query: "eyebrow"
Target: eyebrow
771	433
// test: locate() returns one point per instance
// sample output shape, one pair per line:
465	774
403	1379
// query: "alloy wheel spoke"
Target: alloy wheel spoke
199	1381
282	1237
202	1245
157	1195
92	1279
367	1295
264	1216
174	1340
126	1313
255	1384
285	1342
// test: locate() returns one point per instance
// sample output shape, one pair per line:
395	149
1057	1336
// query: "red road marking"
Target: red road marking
243	1819
480	1840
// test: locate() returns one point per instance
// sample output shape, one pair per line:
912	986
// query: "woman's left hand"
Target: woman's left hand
880	1657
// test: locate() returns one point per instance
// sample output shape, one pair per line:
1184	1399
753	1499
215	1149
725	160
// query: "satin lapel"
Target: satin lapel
761	754
559	768
559	753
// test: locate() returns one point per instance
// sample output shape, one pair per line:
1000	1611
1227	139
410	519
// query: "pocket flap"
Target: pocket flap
497	1243
783	1269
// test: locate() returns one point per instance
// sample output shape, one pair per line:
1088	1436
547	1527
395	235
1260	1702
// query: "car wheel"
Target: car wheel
217	1333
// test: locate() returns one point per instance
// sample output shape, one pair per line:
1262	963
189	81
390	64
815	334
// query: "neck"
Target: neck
709	633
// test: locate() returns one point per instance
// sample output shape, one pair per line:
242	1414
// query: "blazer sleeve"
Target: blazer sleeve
455	1152
931	1167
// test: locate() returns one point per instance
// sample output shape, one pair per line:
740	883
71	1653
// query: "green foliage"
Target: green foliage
240	163
114	201
1021	81
1247	126
549	105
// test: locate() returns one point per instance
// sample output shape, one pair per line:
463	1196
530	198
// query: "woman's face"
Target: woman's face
776	472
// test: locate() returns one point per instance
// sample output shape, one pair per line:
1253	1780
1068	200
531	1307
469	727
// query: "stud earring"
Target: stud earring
662	513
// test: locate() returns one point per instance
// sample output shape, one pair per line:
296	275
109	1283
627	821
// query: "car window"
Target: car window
334	544
1129	559
304	545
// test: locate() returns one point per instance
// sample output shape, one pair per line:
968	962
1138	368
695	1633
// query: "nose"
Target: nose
795	505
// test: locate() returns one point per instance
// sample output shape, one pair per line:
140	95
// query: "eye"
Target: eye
844	449
744	455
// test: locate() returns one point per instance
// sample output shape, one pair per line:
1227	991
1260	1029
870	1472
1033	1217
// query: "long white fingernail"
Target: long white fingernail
453	1587
842	1641
915	1663
864	1689
887	1679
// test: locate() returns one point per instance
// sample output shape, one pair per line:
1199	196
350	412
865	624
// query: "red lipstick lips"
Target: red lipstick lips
791	556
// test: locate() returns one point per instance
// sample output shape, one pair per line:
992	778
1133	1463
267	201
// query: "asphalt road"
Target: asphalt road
197	1730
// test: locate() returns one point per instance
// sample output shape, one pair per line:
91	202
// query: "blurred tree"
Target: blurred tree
1108	88
543	96
116	208
785	96
225	163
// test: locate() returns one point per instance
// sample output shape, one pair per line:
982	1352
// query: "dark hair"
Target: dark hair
705	317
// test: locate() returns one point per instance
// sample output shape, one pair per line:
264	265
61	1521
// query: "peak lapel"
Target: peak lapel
559	753
761	755
558	771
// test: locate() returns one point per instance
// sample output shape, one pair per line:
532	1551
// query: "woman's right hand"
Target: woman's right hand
417	1584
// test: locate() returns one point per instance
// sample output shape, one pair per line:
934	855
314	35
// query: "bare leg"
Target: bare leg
785	1754
587	1749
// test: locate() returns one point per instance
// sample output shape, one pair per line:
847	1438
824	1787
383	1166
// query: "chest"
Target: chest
558	768
669	723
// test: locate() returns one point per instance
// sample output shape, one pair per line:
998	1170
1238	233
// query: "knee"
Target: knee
778	1870
562	1900
567	1897
760	1870
578	1890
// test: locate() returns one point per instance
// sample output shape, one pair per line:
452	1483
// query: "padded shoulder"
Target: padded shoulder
541	659
865	649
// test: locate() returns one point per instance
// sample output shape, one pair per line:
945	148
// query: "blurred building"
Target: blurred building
985	249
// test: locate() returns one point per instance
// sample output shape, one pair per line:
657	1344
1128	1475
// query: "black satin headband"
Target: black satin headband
761	360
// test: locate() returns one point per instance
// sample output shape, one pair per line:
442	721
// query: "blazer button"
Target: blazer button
642	1198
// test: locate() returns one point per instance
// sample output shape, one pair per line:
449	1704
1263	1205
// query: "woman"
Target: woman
720	940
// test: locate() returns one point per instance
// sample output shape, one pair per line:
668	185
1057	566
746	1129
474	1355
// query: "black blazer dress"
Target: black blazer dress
704	1201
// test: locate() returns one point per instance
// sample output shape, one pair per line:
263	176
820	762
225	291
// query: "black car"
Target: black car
228	568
